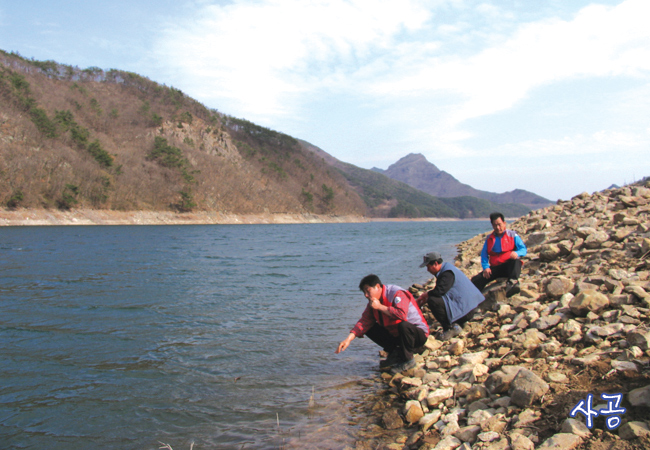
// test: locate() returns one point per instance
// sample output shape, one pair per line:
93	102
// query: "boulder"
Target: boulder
640	397
588	301
499	381
413	411
561	441
526	388
633	430
558	286
392	420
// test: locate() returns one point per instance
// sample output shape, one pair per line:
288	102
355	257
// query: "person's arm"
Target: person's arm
398	309
485	258
520	248
422	299
366	321
345	343
444	282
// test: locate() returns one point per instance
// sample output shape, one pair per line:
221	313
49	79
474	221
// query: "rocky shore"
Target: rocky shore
44	217
579	329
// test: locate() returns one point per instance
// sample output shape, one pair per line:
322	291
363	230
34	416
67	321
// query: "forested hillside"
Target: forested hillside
114	140
386	197
72	138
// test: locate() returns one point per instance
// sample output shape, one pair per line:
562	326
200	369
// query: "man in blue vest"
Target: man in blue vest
454	299
393	320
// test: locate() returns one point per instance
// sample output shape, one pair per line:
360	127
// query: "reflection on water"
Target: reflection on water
126	336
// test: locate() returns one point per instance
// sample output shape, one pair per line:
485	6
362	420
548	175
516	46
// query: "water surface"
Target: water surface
122	337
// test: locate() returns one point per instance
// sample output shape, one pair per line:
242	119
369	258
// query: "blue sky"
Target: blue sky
549	96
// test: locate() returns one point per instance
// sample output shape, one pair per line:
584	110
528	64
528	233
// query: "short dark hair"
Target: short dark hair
496	215
369	280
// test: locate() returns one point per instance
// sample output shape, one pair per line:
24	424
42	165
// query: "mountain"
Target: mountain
72	138
386	197
114	140
415	170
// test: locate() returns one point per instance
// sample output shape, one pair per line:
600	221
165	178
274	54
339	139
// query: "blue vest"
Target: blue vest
463	295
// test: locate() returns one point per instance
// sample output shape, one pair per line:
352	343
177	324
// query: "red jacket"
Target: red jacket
400	304
497	249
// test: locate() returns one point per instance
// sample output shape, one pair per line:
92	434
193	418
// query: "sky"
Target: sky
551	96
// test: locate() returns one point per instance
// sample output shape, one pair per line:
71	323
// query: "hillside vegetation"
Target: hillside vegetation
387	197
72	138
114	140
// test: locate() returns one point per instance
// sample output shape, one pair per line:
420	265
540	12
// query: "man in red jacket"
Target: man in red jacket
392	320
501	256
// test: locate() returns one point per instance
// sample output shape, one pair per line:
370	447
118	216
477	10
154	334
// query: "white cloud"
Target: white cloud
600	142
599	42
262	54
424	73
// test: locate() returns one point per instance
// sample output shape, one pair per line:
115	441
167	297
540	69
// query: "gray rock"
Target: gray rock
633	430
521	442
468	433
414	438
576	427
501	444
588	301
624	366
638	291
549	252
585	361
448	443
439	395
480	417
546	322
607	330
639	397
558	286
499	381
429	419
561	441
526	388
473	358
596	240
535	239
527	417
488	436
639	337
392	420
556	377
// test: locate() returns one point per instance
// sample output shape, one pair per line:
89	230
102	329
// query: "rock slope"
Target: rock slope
578	335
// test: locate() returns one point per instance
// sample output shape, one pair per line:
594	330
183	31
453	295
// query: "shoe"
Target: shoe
512	288
393	358
454	331
406	365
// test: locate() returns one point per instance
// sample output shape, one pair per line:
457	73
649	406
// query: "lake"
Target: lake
123	337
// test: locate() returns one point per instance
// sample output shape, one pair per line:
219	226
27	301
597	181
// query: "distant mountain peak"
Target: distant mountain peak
415	160
415	170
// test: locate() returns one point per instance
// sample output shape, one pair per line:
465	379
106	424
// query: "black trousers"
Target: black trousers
439	311
410	338
510	269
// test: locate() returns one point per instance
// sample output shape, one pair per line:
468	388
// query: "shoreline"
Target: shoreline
579	327
50	217
54	217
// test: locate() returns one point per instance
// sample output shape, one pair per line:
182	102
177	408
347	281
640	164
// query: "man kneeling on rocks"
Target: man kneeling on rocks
454	299
501	256
392	320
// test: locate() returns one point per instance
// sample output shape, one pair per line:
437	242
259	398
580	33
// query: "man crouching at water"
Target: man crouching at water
454	299
393	321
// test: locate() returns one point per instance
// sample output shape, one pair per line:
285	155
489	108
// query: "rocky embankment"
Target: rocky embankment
579	328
